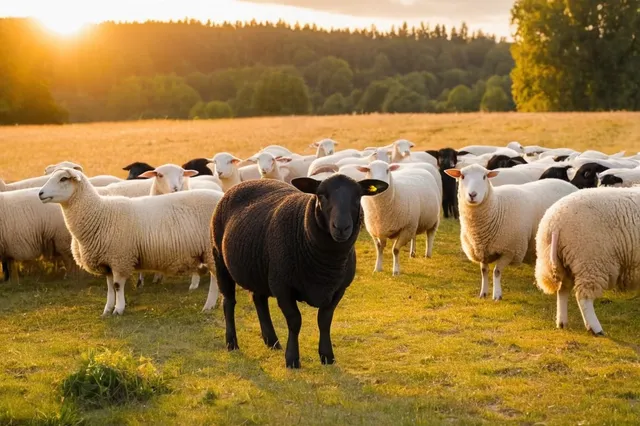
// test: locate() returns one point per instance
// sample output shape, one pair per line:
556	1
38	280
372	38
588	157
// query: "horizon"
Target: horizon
54	18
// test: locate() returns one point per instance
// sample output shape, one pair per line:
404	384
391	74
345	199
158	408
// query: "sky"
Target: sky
68	16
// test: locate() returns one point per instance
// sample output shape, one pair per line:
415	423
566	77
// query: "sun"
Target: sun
66	25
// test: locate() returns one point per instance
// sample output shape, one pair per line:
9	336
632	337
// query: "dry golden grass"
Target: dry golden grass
420	348
107	147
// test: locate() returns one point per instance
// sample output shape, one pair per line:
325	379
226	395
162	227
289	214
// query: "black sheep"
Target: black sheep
587	175
136	169
447	159
610	180
199	164
504	161
300	249
559	172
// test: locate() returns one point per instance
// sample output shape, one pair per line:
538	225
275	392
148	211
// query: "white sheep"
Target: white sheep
499	224
38	181
410	206
588	242
115	236
29	229
622	178
324	147
226	167
401	153
332	159
52	167
271	167
513	147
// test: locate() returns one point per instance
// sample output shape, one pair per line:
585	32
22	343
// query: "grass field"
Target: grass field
416	349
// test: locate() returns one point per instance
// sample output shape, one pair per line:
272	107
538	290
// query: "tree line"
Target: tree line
190	69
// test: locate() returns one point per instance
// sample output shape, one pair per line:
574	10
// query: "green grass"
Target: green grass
417	349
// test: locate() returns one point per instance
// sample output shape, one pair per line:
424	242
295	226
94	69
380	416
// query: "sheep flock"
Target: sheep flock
284	225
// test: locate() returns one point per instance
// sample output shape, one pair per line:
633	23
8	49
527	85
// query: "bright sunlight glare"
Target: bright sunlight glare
62	24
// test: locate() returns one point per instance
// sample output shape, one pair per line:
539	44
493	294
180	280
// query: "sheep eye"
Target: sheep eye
160	175
462	177
484	177
64	179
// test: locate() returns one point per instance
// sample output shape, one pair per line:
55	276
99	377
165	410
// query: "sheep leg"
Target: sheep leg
269	336
589	317
195	281
497	275
431	236
111	297
412	247
119	280
157	278
6	270
325	317
140	282
562	317
397	245
289	308
380	243
484	271
445	209
212	297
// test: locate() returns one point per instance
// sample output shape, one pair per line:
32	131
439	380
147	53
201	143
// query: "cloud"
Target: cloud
456	10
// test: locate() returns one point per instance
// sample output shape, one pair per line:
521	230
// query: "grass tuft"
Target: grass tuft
113	378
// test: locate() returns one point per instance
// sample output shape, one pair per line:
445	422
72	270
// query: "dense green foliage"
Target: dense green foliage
576	55
174	69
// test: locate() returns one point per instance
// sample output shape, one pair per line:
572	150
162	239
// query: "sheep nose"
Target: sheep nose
175	189
40	193
473	195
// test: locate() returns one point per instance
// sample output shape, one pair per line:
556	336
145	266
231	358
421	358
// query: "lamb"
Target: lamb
136	169
226	166
499	224
115	236
302	249
28	230
269	166
573	252
52	167
409	207
447	158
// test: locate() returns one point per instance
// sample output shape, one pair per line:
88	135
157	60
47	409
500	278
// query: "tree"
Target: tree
460	99
573	55
281	93
402	99
494	99
373	98
218	109
334	105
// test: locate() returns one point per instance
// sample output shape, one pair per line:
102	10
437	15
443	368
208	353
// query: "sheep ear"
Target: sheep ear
148	174
314	145
464	153
492	174
236	160
190	173
454	173
282	159
335	143
75	174
306	184
411	144
363	169
373	186
78	168
393	167
127	168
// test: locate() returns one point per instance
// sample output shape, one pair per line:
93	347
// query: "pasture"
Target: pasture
420	348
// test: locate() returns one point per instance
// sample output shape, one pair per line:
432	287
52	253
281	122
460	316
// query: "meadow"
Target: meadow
420	348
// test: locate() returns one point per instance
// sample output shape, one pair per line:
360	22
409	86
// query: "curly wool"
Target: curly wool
29	229
598	232
165	234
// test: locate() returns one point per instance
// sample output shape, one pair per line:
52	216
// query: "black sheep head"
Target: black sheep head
610	180
447	157
199	164
587	175
136	169
556	173
338	202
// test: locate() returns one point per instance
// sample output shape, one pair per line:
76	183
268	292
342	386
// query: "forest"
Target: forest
194	70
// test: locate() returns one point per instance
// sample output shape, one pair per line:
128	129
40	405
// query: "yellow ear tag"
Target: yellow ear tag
372	188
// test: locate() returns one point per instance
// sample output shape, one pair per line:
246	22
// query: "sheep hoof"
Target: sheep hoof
117	311
396	273
412	254
191	288
561	325
495	299
276	347
294	363
600	333
232	344
483	295
105	314
327	359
